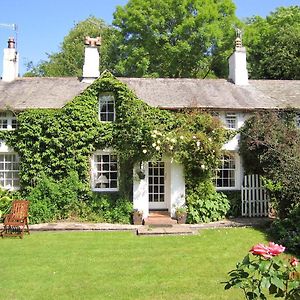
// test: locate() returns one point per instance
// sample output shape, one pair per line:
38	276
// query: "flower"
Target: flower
171	148
153	145
267	251
144	151
261	250
157	148
294	262
203	167
275	249
198	144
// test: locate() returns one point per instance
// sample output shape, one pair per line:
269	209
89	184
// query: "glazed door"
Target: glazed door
156	185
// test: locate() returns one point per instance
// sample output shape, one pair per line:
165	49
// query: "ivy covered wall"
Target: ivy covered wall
57	142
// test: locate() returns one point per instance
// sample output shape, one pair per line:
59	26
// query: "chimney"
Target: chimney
238	63
10	62
91	59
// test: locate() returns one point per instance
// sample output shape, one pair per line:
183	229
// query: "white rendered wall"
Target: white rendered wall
10	64
140	190
174	187
91	64
238	67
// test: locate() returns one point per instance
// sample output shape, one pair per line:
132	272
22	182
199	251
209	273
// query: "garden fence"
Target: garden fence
255	199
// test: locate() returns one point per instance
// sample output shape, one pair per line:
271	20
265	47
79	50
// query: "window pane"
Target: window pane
106	108
9	170
225	175
105	172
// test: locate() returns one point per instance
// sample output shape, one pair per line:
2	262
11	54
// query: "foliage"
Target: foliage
269	146
69	60
172	38
53	143
273	44
235	201
266	272
6	198
205	204
287	231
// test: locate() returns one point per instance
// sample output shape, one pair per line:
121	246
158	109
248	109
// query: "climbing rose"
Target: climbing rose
294	262
275	249
262	250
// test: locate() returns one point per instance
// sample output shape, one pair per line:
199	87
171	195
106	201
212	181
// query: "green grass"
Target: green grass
120	265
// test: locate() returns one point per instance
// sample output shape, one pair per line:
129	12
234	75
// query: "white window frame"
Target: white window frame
5	170
235	169
8	118
231	120
106	101
98	171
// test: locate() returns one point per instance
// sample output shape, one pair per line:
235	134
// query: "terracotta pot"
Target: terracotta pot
181	218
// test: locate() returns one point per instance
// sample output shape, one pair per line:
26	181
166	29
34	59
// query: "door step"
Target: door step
169	230
159	218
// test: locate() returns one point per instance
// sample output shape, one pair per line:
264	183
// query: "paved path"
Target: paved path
78	226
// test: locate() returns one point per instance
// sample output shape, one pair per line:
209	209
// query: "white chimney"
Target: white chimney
238	72
91	59
10	62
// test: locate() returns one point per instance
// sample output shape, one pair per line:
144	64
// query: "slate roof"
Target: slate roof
167	93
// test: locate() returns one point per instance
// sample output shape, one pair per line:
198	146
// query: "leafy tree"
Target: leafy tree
69	60
173	38
273	44
269	145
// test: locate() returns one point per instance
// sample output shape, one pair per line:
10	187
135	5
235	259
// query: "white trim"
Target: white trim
237	174
9	118
107	113
109	152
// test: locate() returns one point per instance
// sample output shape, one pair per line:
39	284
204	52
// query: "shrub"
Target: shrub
287	231
205	204
6	197
235	201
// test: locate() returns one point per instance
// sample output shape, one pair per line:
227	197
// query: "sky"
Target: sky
42	24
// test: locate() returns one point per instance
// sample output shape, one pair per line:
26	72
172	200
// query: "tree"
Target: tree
174	38
273	44
69	60
269	145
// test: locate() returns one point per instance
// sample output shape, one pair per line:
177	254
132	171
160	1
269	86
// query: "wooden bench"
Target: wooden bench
16	222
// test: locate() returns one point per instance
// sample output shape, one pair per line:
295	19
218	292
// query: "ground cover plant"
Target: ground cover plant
120	265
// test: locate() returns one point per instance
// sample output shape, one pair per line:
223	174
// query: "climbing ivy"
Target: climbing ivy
56	142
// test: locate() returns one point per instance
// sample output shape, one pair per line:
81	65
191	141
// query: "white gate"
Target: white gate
255	199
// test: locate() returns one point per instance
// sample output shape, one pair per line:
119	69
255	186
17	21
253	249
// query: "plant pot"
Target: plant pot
181	218
137	218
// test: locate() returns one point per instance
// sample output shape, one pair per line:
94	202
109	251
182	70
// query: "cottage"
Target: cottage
156	185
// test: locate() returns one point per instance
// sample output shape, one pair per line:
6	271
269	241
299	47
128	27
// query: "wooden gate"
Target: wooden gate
255	199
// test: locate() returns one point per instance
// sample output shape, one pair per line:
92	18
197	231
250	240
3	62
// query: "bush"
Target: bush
6	197
111	208
287	231
235	200
205	204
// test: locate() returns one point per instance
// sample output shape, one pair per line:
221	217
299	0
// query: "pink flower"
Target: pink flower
261	250
294	262
275	249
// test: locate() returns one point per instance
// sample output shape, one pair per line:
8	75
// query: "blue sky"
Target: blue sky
42	25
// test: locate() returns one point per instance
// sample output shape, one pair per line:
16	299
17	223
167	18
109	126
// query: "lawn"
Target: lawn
120	265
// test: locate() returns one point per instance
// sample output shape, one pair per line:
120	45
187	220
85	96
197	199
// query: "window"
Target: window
107	108
9	171
231	120
105	171
225	175
7	121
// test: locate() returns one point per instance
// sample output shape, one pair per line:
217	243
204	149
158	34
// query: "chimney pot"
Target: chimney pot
11	43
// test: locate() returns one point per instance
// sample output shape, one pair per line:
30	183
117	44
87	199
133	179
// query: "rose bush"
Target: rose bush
266	272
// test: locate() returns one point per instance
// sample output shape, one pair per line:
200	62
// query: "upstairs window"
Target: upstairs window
226	173
7	121
9	171
231	120
105	171
107	111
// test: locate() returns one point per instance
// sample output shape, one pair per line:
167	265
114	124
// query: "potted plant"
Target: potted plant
137	217
181	214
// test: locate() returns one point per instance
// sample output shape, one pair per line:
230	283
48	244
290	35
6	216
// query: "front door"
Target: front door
156	185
